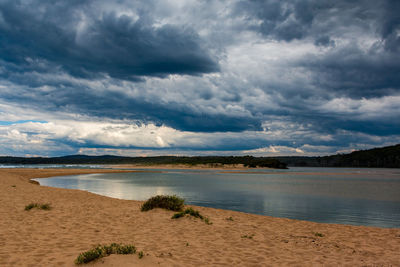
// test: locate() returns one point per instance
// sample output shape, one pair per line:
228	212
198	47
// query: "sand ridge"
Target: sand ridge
80	220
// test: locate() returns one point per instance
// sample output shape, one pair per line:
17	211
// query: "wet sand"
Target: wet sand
80	220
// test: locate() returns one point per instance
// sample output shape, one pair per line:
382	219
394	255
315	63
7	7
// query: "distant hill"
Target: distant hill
215	161
384	157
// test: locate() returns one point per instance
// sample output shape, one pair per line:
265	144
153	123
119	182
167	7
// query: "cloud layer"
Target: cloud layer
191	77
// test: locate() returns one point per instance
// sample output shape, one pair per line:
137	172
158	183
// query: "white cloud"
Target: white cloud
385	107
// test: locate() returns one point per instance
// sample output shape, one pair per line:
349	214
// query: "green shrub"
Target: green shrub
188	211
90	255
319	234
173	203
140	254
45	206
191	212
115	248
31	206
207	221
103	251
178	215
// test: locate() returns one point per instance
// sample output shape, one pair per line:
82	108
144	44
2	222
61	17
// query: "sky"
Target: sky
145	78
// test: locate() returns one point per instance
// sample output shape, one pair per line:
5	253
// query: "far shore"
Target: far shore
233	168
185	166
79	220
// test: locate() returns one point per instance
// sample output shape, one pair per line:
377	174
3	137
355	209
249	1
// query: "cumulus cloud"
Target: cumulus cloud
124	138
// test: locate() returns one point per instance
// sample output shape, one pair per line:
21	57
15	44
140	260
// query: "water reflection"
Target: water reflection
368	198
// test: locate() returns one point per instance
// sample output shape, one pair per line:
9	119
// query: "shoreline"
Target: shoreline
79	220
186	167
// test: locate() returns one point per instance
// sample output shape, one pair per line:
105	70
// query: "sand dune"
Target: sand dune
79	220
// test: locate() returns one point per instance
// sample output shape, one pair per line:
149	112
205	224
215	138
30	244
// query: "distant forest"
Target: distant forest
213	161
385	157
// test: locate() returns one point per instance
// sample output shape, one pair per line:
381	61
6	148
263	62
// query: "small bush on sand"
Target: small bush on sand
173	203
103	251
191	212
45	206
140	254
207	221
248	236
319	234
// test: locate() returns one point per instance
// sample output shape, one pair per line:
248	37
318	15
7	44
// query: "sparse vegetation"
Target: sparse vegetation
207	221
248	236
229	219
103	251
319	234
140	254
173	203
45	206
14	185
191	212
188	211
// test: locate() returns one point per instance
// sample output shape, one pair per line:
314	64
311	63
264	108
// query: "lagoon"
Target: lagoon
357	196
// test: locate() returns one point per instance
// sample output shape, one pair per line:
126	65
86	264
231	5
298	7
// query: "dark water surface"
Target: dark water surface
329	195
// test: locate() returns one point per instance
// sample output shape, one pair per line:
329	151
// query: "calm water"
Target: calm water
329	195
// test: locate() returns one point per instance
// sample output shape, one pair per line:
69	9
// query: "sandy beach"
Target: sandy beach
80	220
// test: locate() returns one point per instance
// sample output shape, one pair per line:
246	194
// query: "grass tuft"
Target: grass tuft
140	254
103	251
248	236
173	203
229	219
188	211
191	212
319	234
45	206
90	255
207	221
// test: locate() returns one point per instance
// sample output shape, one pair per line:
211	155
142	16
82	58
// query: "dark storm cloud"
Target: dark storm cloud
320	19
390	25
356	68
42	35
352	72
